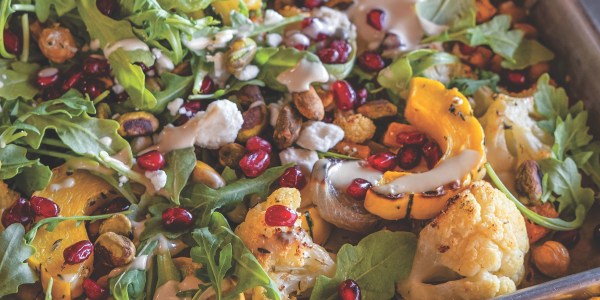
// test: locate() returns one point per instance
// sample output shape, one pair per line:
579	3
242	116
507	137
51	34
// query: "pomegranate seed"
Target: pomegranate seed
72	81
193	107
568	238
516	80
208	85
78	252
384	161
51	92
409	157
466	49
432	153
109	8
177	218
349	290
371	61
358	188
44	207
149	71
256	143
313	3
12	42
375	18
328	55
151	161
92	87
255	163
344	95
115	206
343	48
300	47
93	290
306	22
96	66
292	178
47	77
19	212
410	138
280	215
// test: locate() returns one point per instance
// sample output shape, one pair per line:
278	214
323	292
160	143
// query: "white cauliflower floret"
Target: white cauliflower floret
473	250
219	124
287	254
512	136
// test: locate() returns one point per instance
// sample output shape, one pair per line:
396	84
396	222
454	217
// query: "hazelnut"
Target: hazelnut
552	259
528	181
57	44
114	250
118	224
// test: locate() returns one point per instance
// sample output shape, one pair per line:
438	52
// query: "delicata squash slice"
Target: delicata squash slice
445	116
76	193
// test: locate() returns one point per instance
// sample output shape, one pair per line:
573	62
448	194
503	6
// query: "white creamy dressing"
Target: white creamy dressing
449	170
138	228
163	62
173	246
181	137
131	44
106	141
342	174
67	183
86	164
299	78
170	289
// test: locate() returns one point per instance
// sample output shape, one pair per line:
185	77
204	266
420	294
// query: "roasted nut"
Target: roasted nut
118	224
517	14
552	259
250	94
186	266
103	111
287	129
255	121
240	54
138	123
326	98
481	57
57	44
238	214
528	181
309	104
357	128
378	109
485	11
114	250
203	173
231	154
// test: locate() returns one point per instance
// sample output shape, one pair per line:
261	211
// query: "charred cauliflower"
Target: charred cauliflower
287	254
473	250
357	128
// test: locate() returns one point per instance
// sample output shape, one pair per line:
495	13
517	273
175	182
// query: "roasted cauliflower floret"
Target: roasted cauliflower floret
287	254
473	250
357	128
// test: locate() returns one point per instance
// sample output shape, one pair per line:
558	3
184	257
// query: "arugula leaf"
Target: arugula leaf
562	178
214	255
12	161
185	6
33	179
180	164
469	86
131	283
13	252
19	83
452	13
529	53
166	269
175	86
52	222
43	8
376	264
550	103
571	134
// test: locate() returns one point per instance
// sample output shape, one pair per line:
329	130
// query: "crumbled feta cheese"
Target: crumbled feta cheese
218	125
95	44
330	22
305	159
158	178
248	73
320	136
175	106
117	88
274	39
296	38
272	17
123	180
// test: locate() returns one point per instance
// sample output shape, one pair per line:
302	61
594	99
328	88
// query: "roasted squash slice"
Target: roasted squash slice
76	193
446	116
225	7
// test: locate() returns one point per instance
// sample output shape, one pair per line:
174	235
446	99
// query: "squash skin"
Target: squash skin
88	193
447	117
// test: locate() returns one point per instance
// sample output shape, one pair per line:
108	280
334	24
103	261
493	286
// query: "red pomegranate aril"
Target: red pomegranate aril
292	178
358	188
371	61
96	66
207	86
177	218
300	47
78	252
44	207
47	77
432	153
343	48
256	143
93	290
328	55
516	80
109	8
151	161
306	22
255	163
466	49
410	138
375	18
12	42
72	81
117	205
313	3
51	92
280	215
92	87
321	37
19	212
409	157
384	161
344	95
361	97
349	290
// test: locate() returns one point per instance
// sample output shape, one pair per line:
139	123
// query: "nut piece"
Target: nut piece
528	181
552	259
250	94
231	154
186	266
114	250
118	224
309	104
240	55
378	109
138	123
357	128
103	111
287	129
255	121
57	44
203	173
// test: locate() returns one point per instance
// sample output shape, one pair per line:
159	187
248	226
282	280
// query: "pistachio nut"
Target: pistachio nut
114	250
203	173
255	121
288	126
138	123
118	224
231	154
528	181
309	104
240	54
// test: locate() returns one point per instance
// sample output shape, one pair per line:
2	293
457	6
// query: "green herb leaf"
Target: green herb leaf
497	35
550	103
175	86
17	84
13	252
376	264
180	164
529	53
571	134
469	86
185	6
454	14
564	181
43	8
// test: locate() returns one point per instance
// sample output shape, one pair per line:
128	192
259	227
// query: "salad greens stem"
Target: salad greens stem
23	8
550	223
101	97
25	26
54	143
51	153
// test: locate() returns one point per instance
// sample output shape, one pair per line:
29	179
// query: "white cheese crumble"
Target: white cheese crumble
174	106
158	178
249	72
123	180
106	141
272	17
218	125
163	62
305	159
274	39
319	136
